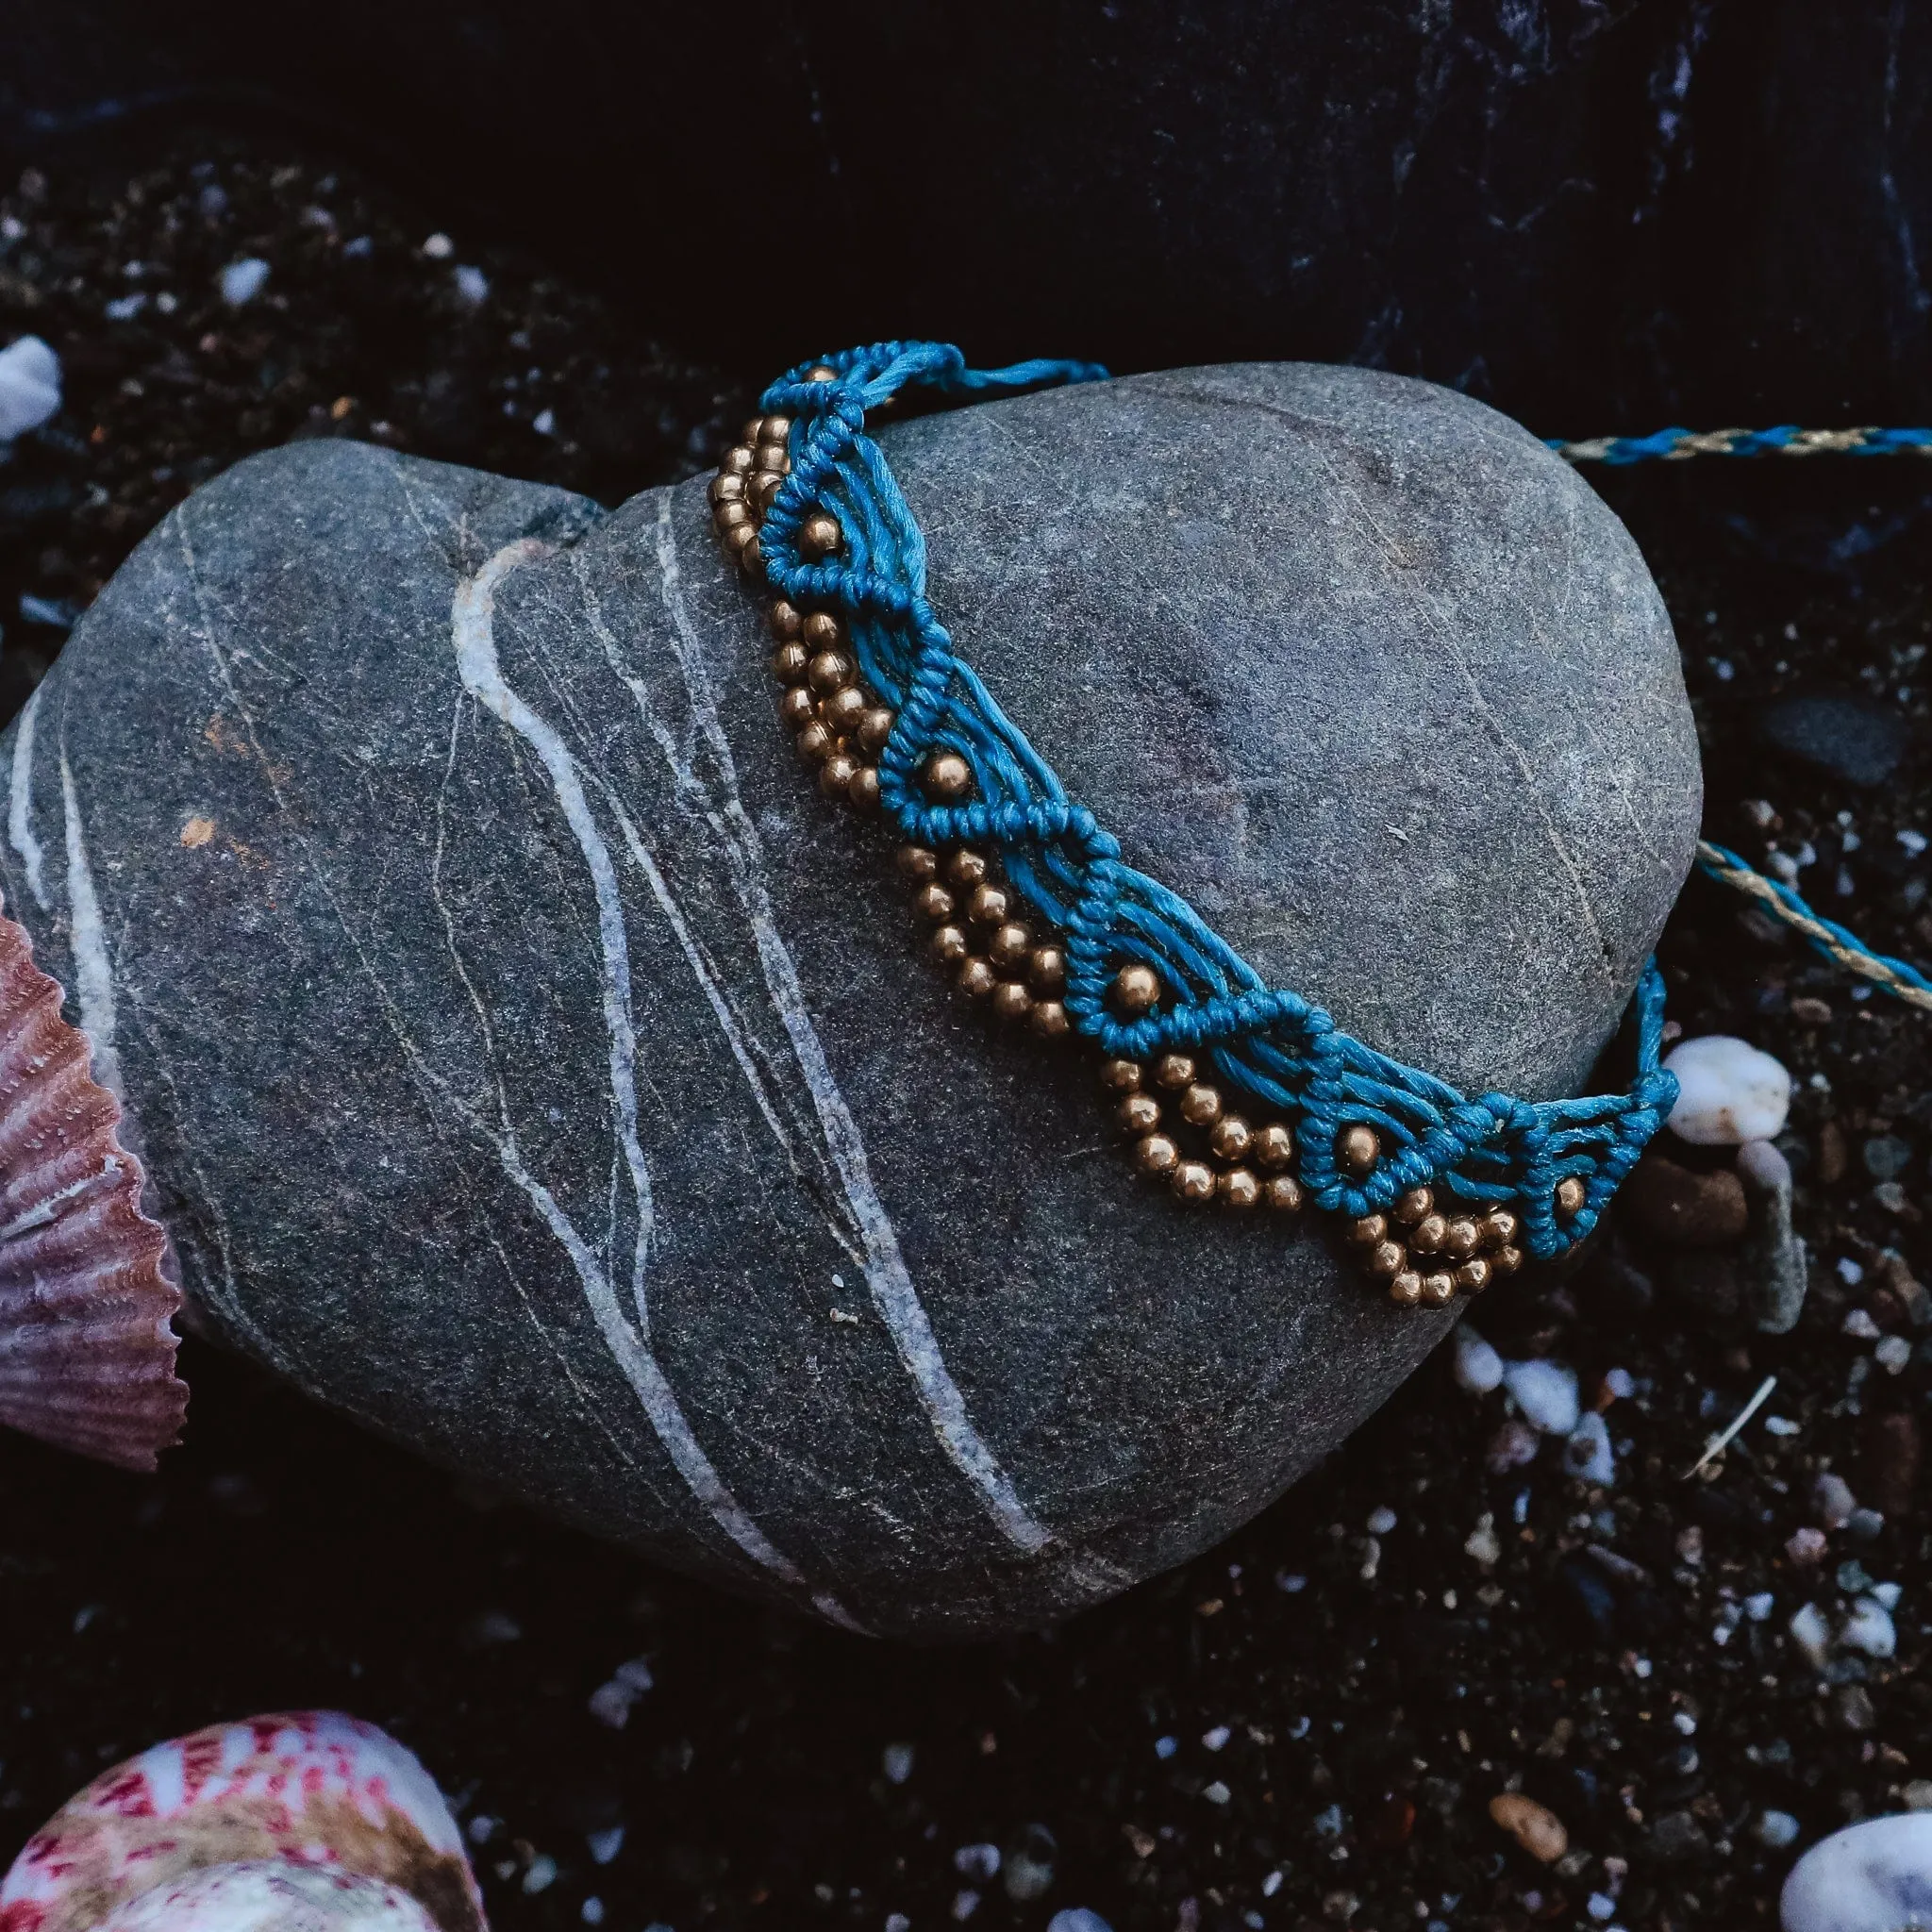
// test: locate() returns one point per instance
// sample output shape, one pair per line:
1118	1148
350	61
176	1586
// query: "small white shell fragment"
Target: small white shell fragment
241	281
1894	1355
1729	1092
1873	1877
1478	1367
29	386
1545	1392
1811	1634
1078	1919
1869	1627
1832	1495
1587	1451
268	1895
1483	1543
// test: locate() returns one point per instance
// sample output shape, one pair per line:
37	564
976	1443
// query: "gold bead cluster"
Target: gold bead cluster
1182	1130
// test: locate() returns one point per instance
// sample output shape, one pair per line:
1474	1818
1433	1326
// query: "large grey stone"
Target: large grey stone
378	809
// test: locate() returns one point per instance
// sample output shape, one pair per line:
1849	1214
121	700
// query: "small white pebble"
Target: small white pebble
1870	1877
1832	1497
1381	1521
1483	1543
604	1845
541	1874
1811	1634
1545	1392
1914	842
1894	1355
1272	1884
29	386
592	1911
439	247
1478	1367
1848	1271
965	1903
472	284
1869	1629
980	1861
895	1761
1078	1919
1777	1829
545	421
1217	1739
1166	1747
123	308
898	1922
1859	1325
1888	1594
1617	1382
1600	1908
482	1828
1216	1794
241	281
1684	1723
1759	1608
1728	1091
1292	1581
1587	1451
1781	1425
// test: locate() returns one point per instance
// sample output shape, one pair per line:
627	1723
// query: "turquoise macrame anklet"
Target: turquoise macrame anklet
1445	1193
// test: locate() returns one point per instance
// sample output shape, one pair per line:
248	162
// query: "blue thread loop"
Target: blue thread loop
1267	1042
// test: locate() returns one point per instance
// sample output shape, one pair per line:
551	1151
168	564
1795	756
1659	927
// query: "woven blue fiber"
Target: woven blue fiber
1266	1042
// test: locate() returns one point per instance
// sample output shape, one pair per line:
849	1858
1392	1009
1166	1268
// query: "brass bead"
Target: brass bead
1387	1259
1010	1000
917	862
785	623
1135	988
738	461
748	558
1570	1194
815	743
1371	1231
1231	1138
776	428
1439	1290
1274	1145
1120	1076
1406	1291
1139	1114
739	538
864	789
1474	1276
977	977
1358	1149
1500	1228
1284	1193
1201	1105
948	777
1046	971
821	372
1050	1020
789	662
949	945
1464	1238
835	773
1428	1234
797	708
1009	946
822	631
828	671
1173	1070
1417	1205
765	486
1505	1260
934	902
730	514
819	536
1193	1180
724	488
874	727
988	905
1156	1153
844	709
967	868
754	428
1238	1187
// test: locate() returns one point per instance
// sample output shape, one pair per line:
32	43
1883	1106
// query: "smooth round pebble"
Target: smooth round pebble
1873	1877
1811	1634
1777	1829
1534	1827
29	386
1478	1367
1728	1092
1078	1919
1869	1629
1682	1208
1545	1392
1832	1496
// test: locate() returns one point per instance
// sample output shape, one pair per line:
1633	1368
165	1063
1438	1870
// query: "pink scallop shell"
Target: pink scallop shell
309	1790
86	1349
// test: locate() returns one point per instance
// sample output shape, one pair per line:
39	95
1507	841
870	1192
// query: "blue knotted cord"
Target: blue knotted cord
1267	1042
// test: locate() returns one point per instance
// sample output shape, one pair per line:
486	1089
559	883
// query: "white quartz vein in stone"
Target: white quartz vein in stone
94	971
887	1276
20	802
472	617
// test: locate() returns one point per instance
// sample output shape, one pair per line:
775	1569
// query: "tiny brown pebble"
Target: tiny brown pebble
1193	1180
977	978
1120	1076
1238	1187
1139	1114
1833	1156
1157	1155
1684	1208
1534	1827
1358	1149
1011	1001
916	862
1891	1459
934	902
1274	1145
1231	1138
197	831
1135	988
1284	1193
1199	1104
1808	1011
1173	1070
1050	1020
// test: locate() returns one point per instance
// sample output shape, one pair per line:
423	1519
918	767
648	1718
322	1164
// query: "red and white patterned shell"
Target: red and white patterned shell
261	1896
87	1303
311	1791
